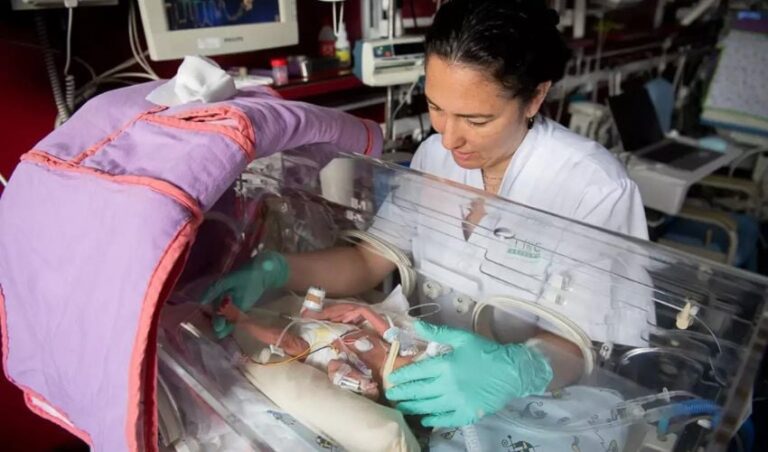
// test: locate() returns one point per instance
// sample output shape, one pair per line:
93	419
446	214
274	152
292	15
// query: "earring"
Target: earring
531	120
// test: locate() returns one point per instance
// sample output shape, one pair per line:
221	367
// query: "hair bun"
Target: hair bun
541	14
537	12
552	17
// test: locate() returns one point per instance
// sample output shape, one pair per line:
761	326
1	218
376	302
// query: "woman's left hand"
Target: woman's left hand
477	378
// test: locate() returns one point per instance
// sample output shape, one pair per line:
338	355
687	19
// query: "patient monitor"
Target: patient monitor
176	28
668	343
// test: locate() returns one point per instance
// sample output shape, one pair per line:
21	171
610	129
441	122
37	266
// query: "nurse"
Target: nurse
489	67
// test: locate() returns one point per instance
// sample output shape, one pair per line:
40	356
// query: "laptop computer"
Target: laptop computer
641	134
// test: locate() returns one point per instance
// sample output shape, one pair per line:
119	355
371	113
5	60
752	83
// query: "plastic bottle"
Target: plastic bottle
342	47
327	41
279	70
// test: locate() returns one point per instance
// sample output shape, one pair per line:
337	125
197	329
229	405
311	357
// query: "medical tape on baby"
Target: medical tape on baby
313	301
341	372
392	334
407	345
433	349
264	355
350	356
340	378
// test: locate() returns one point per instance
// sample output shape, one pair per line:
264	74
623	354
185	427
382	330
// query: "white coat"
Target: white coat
543	259
557	171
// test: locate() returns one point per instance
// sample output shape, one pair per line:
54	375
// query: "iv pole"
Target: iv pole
389	121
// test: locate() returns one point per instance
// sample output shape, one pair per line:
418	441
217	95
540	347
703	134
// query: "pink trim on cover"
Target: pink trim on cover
46	407
78	159
202	119
63	422
149	312
369	145
162	187
66	425
4	333
163	278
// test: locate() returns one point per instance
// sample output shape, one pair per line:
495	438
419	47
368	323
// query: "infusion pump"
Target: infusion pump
388	62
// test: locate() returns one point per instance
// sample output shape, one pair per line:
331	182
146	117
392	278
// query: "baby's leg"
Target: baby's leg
291	344
341	372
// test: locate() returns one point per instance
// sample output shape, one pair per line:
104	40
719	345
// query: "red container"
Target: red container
279	70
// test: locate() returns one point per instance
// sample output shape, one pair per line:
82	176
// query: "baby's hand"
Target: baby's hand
229	311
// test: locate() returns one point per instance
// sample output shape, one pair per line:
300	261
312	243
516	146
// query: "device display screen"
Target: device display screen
189	14
409	49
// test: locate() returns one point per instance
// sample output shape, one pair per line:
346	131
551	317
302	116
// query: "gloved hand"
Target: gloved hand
477	378
244	286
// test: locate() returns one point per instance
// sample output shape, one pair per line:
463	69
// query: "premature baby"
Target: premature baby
350	342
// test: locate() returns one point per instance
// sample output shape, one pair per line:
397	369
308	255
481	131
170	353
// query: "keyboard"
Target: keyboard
681	156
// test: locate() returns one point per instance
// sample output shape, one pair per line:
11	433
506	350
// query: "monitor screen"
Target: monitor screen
636	119
175	28
186	14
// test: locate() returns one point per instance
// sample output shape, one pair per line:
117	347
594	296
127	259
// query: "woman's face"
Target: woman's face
480	124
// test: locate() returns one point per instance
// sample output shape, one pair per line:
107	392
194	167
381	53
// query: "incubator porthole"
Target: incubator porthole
503	233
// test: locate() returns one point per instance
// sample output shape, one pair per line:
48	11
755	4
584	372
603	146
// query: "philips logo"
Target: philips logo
234	39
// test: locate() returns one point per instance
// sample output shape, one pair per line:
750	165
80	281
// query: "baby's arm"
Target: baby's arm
349	313
291	344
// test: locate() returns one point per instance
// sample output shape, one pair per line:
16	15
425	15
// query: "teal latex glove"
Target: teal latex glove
477	378
244	286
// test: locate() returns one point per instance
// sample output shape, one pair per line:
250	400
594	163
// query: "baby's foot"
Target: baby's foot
346	377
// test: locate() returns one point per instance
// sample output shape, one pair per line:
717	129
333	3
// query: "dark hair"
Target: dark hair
516	41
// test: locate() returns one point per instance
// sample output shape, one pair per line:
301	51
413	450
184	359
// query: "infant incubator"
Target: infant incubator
670	343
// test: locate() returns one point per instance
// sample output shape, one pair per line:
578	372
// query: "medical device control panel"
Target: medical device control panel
388	62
